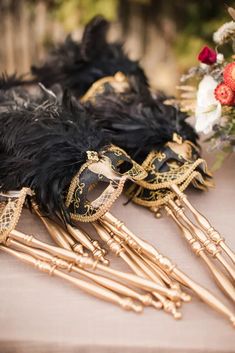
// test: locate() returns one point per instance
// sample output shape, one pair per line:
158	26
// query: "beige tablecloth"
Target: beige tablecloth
42	314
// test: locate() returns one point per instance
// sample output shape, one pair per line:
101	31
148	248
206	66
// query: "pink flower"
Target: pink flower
207	56
229	75
224	94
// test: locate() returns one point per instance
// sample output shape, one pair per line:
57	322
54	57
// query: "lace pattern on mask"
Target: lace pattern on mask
166	167
104	168
117	157
156	198
11	205
175	164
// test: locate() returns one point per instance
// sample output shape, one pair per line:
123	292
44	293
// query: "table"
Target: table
42	314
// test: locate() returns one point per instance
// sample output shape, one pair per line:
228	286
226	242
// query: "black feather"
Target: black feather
43	147
76	66
10	81
94	38
139	124
135	120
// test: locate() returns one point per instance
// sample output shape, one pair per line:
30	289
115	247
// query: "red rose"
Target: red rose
224	94
229	75
207	56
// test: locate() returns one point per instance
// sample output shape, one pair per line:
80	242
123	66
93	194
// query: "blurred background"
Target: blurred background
165	36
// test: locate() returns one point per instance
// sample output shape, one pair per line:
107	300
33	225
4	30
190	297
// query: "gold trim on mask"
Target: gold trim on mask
117	81
110	194
183	149
137	172
105	167
162	200
187	168
181	168
10	210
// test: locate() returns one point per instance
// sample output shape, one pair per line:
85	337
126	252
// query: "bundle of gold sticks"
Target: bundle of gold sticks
78	259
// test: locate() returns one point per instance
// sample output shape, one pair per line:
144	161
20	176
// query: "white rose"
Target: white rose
208	109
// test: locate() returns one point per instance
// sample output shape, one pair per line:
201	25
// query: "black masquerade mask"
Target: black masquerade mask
57	152
177	163
158	137
64	152
112	167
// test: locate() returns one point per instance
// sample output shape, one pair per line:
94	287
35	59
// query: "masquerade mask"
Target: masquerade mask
171	167
62	145
143	258
112	167
176	163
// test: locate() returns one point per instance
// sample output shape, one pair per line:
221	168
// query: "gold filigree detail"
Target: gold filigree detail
160	156
174	176
160	196
81	187
92	156
75	183
137	172
10	210
119	82
104	203
105	168
183	149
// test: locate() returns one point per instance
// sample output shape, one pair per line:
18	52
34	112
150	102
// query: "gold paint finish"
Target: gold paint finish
93	289
145	299
142	247
205	224
86	242
199	250
209	245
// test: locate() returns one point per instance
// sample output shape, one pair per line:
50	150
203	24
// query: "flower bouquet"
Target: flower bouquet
208	91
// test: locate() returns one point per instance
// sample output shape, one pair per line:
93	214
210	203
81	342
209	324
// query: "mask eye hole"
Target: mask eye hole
96	190
124	166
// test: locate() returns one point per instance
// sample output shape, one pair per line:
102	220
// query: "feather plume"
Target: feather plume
127	119
43	147
139	125
10	81
76	66
96	29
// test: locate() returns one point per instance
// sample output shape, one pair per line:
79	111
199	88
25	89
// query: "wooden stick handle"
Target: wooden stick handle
205	224
117	287
93	289
165	263
209	245
198	249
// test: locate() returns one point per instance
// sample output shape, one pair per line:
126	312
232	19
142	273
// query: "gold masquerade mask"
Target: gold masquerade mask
170	171
177	163
111	168
118	83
